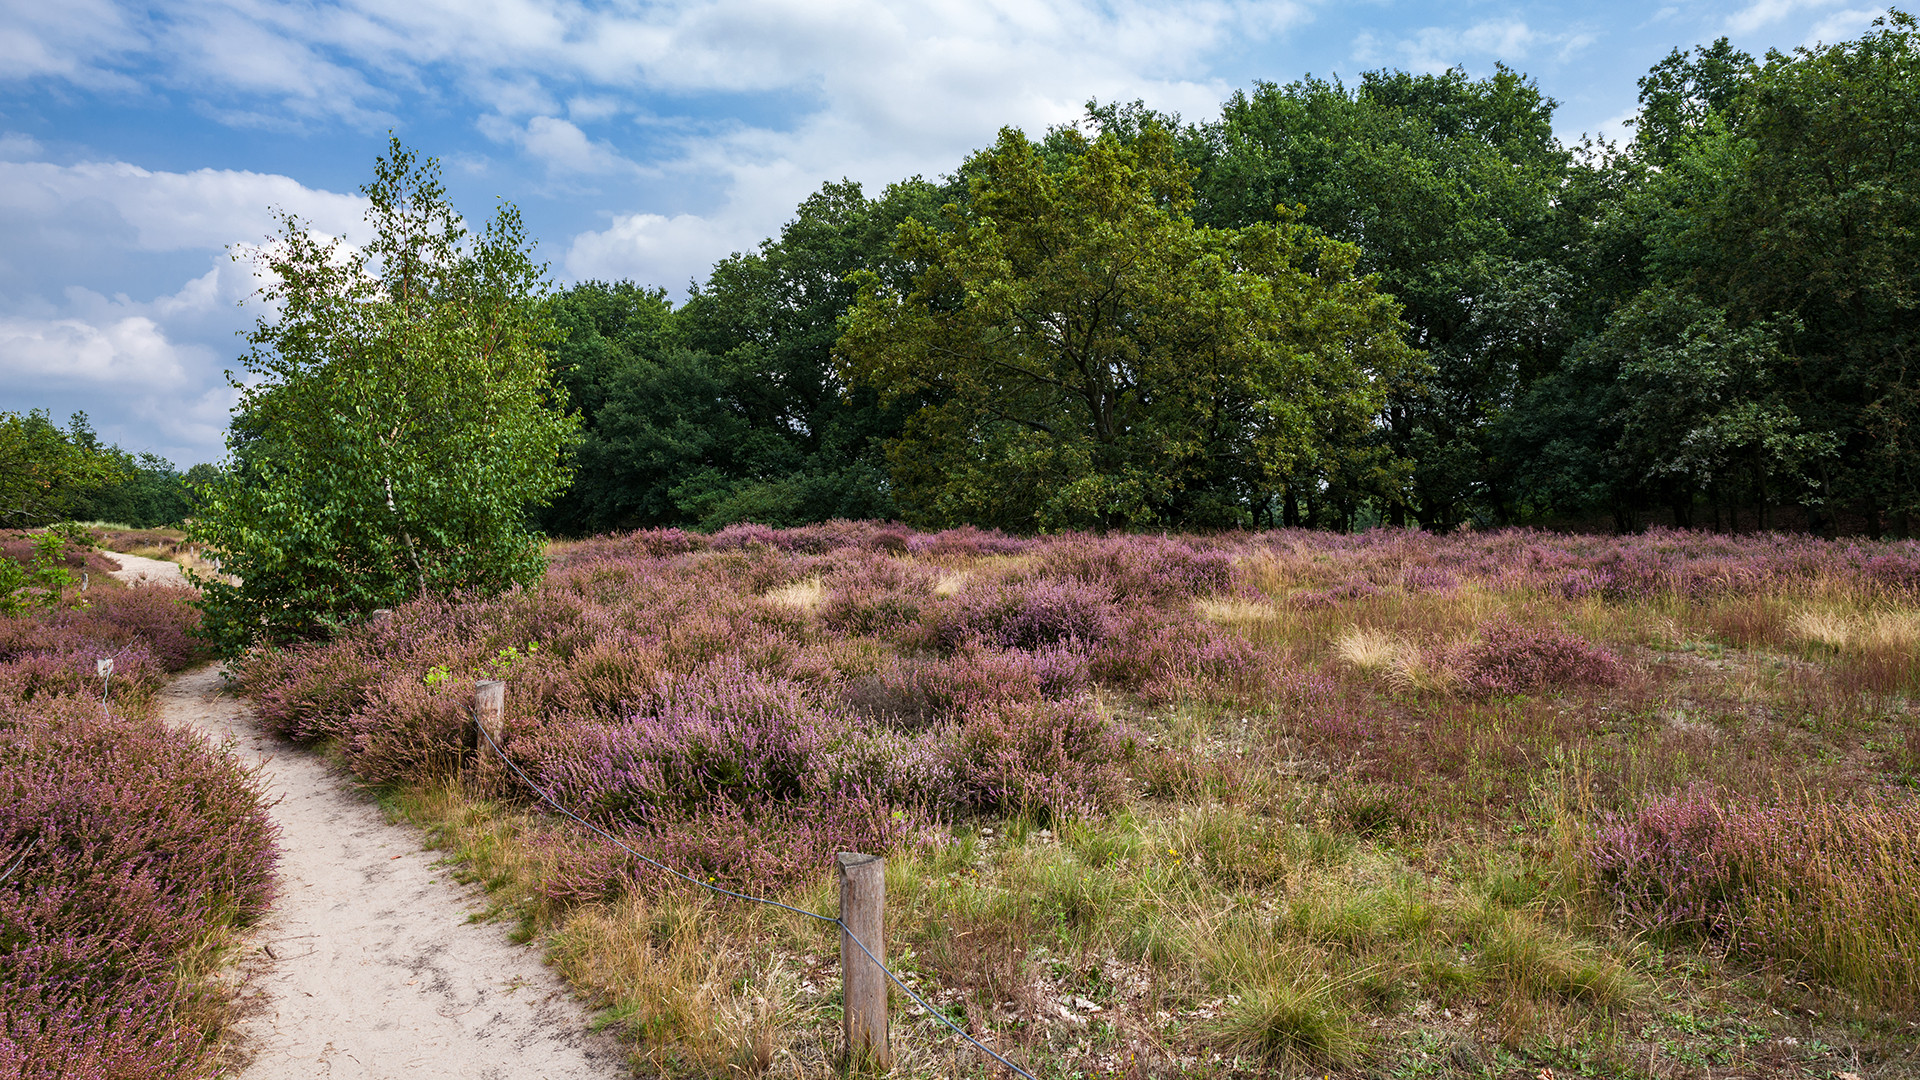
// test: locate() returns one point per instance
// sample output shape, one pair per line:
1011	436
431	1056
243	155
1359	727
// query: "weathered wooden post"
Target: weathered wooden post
489	712
863	902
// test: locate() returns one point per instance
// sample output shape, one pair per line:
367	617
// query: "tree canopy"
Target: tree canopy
400	421
1091	356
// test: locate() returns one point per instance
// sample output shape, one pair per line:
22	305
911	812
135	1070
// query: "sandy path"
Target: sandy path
138	570
368	967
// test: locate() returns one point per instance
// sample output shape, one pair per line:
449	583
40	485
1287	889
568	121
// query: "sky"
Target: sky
143	148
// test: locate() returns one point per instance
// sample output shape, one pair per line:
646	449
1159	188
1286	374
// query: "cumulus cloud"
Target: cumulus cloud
169	211
148	366
131	351
655	248
1842	26
560	146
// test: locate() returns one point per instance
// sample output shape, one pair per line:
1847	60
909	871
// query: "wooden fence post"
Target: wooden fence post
863	901
489	711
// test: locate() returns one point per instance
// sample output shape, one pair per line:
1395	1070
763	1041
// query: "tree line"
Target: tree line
50	473
1399	301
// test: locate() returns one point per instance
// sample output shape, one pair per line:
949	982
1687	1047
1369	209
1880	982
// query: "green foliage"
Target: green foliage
1448	186
45	473
1752	339
42	584
1091	356
151	492
400	422
729	409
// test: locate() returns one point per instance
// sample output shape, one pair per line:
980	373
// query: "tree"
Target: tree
1088	356
1758	336
46	473
400	422
1446	185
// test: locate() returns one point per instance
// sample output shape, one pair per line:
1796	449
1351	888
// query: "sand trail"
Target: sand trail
139	570
367	967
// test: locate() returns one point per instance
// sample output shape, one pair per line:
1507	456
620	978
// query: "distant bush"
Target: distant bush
1033	614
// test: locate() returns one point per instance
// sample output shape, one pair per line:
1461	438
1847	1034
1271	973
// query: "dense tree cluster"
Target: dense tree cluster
1402	300
49	473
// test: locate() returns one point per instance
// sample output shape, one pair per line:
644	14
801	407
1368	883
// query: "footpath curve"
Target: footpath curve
366	968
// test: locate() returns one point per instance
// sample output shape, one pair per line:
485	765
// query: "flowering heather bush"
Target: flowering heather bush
1833	886
147	633
1418	579
1166	655
1666	864
136	842
1030	615
1056	759
876	597
1140	568
1510	658
966	542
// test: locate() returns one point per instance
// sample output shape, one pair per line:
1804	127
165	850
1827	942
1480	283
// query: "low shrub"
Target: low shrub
1512	658
1030	615
133	844
1830	885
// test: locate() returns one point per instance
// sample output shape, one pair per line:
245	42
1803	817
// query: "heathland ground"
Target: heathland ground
1374	804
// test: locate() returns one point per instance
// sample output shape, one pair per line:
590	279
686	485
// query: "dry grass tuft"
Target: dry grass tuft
804	595
1372	651
1831	629
1231	611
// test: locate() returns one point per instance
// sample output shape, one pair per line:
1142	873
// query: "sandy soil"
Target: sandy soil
137	570
367	966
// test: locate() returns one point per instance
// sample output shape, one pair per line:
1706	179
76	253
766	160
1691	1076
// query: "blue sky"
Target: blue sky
139	145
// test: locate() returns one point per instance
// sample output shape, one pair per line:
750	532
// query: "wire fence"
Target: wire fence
549	800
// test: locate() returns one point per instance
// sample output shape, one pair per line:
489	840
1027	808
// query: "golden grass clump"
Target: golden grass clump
1830	629
803	595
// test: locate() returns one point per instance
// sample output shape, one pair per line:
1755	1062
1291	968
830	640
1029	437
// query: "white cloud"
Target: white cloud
17	147
169	211
1842	26
558	145
67	40
655	249
133	350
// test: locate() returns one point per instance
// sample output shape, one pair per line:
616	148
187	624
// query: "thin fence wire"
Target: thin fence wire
548	799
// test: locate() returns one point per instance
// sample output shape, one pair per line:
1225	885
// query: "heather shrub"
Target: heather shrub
163	618
725	735
1665	865
1419	579
307	692
1030	615
1830	885
1140	568
876	597
1051	759
1511	658
1167	655
136	843
966	542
